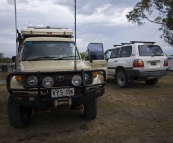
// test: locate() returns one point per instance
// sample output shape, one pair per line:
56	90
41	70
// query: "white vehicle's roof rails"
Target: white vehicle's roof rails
132	42
126	43
116	45
48	27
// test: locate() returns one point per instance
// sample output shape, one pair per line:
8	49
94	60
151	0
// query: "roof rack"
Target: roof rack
132	42
126	43
46	32
116	45
47	27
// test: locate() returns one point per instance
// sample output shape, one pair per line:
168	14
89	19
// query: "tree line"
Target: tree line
5	59
156	11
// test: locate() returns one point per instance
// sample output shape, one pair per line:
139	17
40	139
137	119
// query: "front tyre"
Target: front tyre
19	116
90	109
122	79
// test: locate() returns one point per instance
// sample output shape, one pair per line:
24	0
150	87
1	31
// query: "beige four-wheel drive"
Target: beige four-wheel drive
50	73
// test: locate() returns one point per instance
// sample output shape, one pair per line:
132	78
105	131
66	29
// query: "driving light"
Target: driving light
32	80
76	80
47	82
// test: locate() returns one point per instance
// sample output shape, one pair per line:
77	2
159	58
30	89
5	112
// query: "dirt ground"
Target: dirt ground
137	114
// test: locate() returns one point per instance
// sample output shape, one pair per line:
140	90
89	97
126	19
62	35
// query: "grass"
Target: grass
3	75
139	113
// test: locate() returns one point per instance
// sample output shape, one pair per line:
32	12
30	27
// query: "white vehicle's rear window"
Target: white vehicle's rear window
150	50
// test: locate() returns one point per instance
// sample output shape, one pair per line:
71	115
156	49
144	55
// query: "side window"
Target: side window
21	52
115	53
126	51
108	54
96	50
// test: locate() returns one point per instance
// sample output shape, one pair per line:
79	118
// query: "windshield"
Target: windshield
49	50
150	50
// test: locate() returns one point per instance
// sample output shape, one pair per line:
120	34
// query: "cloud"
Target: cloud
97	21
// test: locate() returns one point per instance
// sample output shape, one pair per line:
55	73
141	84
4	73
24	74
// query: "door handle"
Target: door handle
115	61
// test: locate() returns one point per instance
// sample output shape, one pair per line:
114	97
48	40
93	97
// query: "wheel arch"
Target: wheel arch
117	69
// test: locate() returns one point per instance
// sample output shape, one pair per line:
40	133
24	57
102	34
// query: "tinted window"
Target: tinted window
95	49
150	50
126	51
115	53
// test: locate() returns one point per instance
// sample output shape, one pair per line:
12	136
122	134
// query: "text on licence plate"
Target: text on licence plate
62	92
153	63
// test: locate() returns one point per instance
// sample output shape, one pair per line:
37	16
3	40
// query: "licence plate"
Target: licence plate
62	92
153	63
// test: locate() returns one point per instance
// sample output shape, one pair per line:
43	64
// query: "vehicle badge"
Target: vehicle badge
60	78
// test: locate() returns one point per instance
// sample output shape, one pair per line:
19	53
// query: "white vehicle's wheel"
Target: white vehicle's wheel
122	79
19	116
90	109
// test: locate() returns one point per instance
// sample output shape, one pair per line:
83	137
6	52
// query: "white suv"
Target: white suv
137	60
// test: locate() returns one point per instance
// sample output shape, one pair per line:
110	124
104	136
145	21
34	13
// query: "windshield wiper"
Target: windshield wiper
155	54
41	58
65	57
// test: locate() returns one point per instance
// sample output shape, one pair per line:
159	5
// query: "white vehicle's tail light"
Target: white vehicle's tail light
47	82
138	64
165	63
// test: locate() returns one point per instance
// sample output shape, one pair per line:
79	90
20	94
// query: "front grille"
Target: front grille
65	82
67	77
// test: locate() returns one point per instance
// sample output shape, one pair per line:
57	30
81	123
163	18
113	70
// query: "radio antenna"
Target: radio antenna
15	25
75	64
75	19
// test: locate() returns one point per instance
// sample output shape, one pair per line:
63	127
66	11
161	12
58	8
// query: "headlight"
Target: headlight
76	80
32	80
47	82
87	77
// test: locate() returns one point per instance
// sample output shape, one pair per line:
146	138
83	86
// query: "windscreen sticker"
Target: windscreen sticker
28	43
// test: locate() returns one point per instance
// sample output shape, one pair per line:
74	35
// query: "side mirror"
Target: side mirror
107	59
14	59
106	56
93	57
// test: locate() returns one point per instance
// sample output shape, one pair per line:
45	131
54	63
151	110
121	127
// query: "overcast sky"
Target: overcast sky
97	21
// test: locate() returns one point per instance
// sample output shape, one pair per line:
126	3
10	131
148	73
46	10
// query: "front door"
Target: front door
95	56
